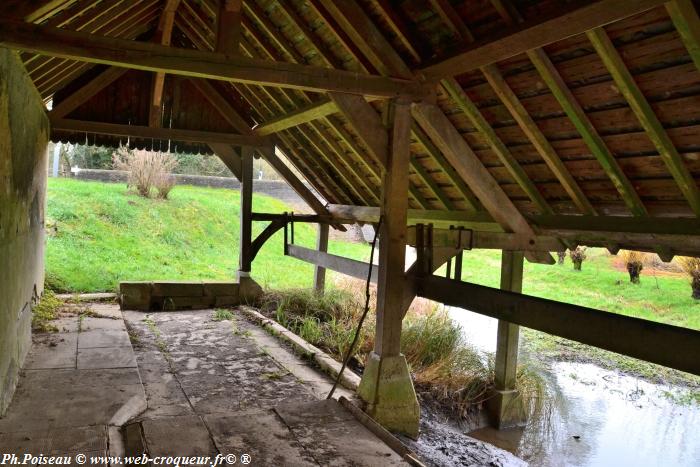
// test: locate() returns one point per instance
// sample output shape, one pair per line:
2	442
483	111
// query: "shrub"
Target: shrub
148	171
561	256
691	266
577	256
46	311
634	262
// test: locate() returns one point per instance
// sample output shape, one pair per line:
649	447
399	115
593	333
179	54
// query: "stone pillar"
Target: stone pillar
386	384
505	407
320	272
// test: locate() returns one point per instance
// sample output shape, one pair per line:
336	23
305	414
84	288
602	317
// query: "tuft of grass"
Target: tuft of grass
46	311
222	315
444	366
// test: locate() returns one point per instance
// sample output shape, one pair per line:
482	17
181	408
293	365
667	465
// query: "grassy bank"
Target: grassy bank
99	234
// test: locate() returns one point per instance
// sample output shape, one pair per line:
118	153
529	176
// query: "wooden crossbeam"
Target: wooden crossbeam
575	18
195	63
588	132
135	131
313	111
667	345
538	140
471	169
646	116
347	266
499	148
685	18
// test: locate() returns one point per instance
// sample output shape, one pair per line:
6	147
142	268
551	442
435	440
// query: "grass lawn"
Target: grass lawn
104	235
99	235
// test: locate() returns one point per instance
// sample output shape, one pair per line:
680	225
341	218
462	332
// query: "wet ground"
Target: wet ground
599	417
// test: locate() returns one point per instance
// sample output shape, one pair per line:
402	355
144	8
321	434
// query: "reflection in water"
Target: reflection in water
599	417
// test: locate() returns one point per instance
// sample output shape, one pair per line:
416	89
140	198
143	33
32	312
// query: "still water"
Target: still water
599	417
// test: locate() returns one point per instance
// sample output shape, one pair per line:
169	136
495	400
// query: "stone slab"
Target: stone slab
106	357
177	436
55	441
324	412
52	351
261	435
107	323
177	289
96	338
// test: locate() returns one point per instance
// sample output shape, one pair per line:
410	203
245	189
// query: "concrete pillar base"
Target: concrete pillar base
387	389
249	290
506	409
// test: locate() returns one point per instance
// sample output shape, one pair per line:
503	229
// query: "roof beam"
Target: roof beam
471	169
452	19
196	63
646	116
575	18
685	18
81	126
588	132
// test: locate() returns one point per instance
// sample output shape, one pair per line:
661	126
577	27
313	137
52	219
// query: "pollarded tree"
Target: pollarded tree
691	266
634	262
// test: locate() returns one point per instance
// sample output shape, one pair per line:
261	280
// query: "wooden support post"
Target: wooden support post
505	407
319	271
386	383
244	255
458	266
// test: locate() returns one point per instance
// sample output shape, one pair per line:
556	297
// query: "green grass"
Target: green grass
665	299
101	235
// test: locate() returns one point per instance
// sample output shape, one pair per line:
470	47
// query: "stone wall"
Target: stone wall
24	131
276	188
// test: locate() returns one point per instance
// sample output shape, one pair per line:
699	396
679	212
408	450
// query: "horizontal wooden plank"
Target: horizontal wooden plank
81	126
195	63
671	346
347	266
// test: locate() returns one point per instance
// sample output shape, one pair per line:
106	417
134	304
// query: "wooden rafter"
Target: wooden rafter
576	18
645	114
497	146
85	92
451	18
194	63
588	132
313	111
685	18
434	122
538	140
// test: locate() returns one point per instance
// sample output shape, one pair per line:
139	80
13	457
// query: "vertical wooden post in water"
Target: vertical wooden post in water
505	407
320	272
386	383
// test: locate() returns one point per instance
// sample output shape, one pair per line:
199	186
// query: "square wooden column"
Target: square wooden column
246	224
386	384
319	271
506	407
248	289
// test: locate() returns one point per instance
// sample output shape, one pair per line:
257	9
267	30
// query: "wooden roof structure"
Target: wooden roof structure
574	121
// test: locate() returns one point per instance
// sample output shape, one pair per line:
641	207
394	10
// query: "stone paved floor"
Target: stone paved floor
189	384
229	387
77	385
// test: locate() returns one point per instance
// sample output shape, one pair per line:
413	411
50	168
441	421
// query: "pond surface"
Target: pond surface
599	417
